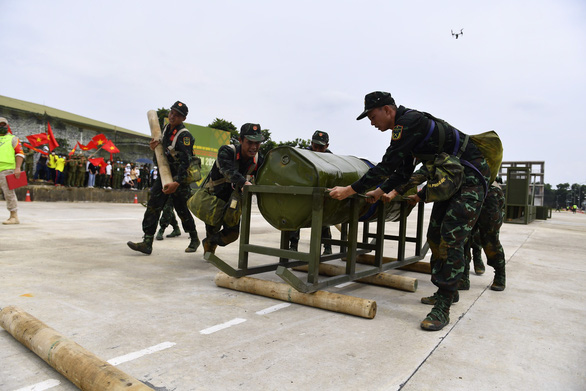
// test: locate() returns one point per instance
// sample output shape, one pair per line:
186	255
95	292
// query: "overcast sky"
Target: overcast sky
298	66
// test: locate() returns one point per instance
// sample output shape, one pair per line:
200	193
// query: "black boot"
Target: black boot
209	246
439	316
194	243
176	232
478	264
160	234
499	282
430	300
145	247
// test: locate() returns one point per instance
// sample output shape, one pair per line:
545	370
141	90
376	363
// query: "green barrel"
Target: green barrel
287	166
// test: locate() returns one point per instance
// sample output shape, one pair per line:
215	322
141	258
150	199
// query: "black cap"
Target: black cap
251	132
181	108
374	100
320	138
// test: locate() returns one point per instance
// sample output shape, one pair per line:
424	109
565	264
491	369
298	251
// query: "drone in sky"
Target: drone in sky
457	34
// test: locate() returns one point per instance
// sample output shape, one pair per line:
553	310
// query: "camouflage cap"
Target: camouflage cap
374	100
320	138
251	132
181	108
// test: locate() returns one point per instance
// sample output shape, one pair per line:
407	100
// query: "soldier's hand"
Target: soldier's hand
413	199
374	195
341	192
389	196
153	144
170	188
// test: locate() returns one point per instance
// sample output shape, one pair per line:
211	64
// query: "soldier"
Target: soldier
72	170
168	218
416	133
232	171
117	175
80	171
178	146
29	157
319	143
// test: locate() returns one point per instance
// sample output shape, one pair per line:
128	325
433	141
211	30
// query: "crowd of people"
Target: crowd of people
80	171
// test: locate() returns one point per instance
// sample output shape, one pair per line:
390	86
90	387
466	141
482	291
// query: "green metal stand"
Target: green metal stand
348	243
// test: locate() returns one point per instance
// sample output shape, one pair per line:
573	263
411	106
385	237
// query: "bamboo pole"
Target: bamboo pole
321	299
77	364
420	267
163	164
403	283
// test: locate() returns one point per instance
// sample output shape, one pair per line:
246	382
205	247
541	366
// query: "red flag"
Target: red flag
99	140
34	149
90	145
96	161
52	141
38	139
9	130
110	147
73	150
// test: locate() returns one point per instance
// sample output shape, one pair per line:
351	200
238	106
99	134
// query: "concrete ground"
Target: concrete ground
161	318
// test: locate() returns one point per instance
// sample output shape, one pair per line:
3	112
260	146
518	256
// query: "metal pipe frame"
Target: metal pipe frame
348	243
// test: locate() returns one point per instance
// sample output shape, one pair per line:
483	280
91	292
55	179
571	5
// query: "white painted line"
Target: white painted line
41	386
132	356
95	219
222	326
345	284
273	309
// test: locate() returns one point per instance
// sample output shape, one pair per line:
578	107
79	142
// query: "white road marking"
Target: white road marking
95	219
132	356
273	308
344	284
41	386
222	326
115	361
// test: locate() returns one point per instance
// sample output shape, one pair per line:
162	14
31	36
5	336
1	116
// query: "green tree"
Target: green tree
561	194
550	196
162	113
227	126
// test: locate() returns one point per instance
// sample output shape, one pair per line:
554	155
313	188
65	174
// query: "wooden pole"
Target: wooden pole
321	299
163	164
420	267
403	283
77	364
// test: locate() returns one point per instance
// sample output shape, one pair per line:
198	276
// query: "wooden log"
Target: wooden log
321	299
403	283
77	364
420	267
163	164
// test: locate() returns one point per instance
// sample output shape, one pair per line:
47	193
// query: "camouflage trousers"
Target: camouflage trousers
222	234
168	216
488	227
157	202
450	225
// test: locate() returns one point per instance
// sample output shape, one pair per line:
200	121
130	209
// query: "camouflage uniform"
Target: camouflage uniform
29	158
418	134
231	170
488	228
80	172
168	217
72	171
179	161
